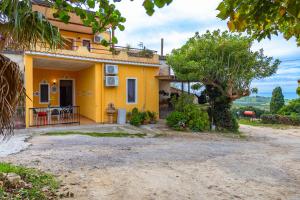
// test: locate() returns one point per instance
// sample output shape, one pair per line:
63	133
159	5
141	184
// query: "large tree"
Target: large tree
226	65
277	100
22	28
262	18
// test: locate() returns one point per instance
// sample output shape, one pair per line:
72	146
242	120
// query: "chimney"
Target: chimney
162	47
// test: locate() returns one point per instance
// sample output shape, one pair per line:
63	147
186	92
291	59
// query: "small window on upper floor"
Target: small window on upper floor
44	93
87	44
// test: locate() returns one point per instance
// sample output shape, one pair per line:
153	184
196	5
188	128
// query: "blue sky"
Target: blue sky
179	21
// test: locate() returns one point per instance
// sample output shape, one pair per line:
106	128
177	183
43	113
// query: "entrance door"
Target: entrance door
66	93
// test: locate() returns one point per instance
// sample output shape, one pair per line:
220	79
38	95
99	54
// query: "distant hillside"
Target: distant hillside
255	101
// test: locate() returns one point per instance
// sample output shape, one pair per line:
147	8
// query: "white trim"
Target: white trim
49	97
73	88
136	90
98	60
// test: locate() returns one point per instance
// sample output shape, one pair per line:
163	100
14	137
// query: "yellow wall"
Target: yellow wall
91	94
28	63
147	89
48	75
85	92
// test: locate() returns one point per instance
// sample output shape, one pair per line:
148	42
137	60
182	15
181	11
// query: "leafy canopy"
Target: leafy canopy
262	18
21	28
222	60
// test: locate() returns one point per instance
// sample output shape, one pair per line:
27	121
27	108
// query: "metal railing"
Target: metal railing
48	116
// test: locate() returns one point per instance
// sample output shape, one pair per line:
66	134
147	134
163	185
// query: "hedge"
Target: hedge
281	119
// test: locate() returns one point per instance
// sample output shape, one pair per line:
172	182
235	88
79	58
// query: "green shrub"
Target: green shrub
136	120
298	90
177	120
293	108
200	123
190	116
136	117
281	119
181	101
153	117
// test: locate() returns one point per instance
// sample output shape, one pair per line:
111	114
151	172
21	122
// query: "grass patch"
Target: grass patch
95	134
259	123
35	180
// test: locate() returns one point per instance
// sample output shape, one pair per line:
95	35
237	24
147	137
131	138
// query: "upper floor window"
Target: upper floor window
131	87
87	44
44	93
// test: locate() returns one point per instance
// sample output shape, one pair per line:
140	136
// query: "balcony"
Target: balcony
96	52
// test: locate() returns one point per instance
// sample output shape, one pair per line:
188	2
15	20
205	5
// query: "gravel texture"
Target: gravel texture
182	166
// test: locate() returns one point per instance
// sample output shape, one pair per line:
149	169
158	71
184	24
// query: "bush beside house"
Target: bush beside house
137	118
188	115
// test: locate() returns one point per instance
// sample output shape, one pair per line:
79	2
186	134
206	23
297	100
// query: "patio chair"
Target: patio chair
55	114
41	117
66	113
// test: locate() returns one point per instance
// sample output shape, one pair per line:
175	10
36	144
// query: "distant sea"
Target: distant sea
287	95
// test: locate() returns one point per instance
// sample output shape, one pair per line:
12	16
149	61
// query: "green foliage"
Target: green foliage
293	108
180	102
152	116
281	119
222	60
21	28
262	18
188	115
220	112
137	118
298	91
277	100
39	180
177	120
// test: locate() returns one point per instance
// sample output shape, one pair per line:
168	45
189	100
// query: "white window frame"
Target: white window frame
136	90
41	93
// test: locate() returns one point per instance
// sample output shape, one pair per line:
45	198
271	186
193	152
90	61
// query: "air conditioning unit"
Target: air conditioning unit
111	69
98	38
111	81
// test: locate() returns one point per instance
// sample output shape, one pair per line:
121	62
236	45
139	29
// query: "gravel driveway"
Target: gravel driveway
206	166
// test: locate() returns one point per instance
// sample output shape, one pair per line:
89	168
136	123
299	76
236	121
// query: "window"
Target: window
131	90
87	44
44	93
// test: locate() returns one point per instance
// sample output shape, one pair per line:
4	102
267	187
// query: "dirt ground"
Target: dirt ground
203	166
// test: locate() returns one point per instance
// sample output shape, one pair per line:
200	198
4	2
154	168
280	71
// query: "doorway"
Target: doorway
66	93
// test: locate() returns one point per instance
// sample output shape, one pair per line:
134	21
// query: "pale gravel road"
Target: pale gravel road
266	166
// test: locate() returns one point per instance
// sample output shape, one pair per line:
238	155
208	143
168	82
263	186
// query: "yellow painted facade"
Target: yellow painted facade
86	68
90	92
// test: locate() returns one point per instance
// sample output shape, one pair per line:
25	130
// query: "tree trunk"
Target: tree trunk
219	112
11	88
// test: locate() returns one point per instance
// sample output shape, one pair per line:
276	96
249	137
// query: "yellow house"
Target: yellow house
86	77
